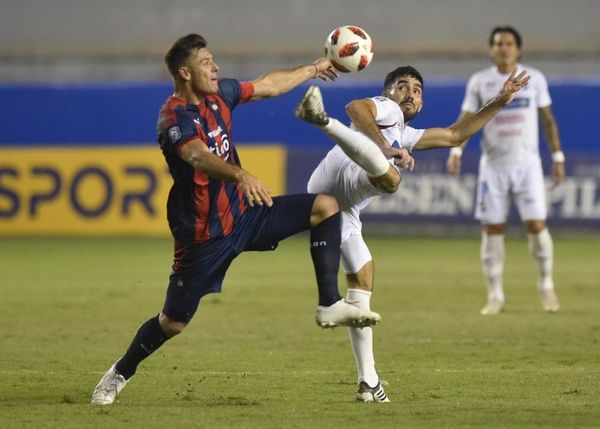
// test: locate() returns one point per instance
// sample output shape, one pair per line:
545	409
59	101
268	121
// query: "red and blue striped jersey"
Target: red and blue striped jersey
201	207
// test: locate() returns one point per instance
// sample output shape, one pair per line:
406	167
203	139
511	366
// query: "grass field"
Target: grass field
253	356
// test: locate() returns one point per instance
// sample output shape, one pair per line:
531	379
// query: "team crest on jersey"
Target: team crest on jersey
174	133
214	106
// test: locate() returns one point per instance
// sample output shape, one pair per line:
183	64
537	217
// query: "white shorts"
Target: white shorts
496	188
338	176
341	178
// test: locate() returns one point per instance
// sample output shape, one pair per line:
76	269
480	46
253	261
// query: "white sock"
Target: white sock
362	340
358	147
542	249
492	262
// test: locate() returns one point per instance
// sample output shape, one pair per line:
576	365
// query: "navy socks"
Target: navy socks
149	337
325	240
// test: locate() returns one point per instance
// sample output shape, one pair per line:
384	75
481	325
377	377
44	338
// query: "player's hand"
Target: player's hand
401	156
453	165
325	70
514	84
254	190
558	172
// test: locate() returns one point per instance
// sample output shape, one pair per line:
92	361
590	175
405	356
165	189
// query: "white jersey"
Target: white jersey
511	137
337	174
390	120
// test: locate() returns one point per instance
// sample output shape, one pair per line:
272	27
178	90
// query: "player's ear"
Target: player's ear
184	73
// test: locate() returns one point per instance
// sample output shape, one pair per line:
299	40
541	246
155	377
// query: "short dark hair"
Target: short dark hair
393	76
506	29
181	50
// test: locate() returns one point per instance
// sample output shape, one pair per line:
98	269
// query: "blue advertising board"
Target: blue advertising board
124	115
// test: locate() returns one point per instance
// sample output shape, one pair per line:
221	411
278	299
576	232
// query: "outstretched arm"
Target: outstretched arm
279	82
468	125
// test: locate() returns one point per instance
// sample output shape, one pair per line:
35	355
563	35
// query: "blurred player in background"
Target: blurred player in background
510	167
357	170
217	210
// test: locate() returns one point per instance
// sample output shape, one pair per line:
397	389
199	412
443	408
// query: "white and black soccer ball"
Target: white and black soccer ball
349	48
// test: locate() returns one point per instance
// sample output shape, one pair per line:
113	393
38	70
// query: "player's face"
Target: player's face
203	72
504	50
408	93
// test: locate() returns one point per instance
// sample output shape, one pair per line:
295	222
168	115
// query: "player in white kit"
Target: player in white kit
357	170
510	167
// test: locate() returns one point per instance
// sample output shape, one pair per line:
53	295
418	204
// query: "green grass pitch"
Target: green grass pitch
254	357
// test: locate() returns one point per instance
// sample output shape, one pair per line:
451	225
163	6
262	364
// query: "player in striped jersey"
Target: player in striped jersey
216	209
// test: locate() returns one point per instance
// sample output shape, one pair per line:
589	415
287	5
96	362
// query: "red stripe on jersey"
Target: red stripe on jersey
247	91
168	117
243	204
202	205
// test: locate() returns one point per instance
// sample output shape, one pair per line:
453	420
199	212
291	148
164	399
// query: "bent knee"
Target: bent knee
169	326
324	207
389	182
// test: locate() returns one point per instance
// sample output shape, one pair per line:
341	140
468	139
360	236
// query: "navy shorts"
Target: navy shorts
203	266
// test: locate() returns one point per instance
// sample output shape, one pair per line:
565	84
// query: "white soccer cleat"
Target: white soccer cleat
311	108
109	387
550	301
492	308
365	393
344	313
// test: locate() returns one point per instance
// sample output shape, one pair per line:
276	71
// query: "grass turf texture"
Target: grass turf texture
253	356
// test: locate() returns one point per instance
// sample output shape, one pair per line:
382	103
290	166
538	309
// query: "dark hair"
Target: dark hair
393	76
181	50
506	29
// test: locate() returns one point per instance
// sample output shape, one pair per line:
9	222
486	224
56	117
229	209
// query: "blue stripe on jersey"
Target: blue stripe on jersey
185	124
214	223
234	200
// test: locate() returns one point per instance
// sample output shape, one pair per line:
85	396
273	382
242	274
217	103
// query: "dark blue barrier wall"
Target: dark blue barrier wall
127	112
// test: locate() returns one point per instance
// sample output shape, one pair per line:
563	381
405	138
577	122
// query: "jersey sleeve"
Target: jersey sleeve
542	94
471	102
178	130
410	137
234	92
388	111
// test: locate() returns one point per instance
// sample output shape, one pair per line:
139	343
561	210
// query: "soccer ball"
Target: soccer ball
349	48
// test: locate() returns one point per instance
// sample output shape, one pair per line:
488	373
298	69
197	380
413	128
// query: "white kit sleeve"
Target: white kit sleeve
388	111
410	137
541	87
471	102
